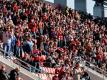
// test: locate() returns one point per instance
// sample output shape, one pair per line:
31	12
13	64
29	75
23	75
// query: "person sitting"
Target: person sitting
14	74
3	73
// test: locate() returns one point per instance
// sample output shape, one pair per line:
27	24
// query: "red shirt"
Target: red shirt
55	78
37	58
4	9
61	72
15	7
42	58
99	57
35	51
32	27
18	43
60	35
27	12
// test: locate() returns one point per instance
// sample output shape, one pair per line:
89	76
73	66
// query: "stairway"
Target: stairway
25	74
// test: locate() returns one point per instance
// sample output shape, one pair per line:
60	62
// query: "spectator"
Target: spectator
85	76
3	73
14	74
7	40
18	78
55	77
77	72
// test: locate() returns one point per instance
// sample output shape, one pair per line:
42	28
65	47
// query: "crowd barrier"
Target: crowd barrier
92	66
20	62
44	73
96	68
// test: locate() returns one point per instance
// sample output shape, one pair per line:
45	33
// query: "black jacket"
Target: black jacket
13	75
3	75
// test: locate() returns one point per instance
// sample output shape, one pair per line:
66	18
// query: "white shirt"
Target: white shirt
77	74
6	37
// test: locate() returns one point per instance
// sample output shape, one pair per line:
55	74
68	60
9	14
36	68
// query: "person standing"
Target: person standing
7	41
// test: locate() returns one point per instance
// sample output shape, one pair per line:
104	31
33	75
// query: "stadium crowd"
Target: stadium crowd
41	33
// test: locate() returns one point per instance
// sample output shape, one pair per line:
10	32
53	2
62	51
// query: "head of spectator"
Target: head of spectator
17	69
2	67
19	78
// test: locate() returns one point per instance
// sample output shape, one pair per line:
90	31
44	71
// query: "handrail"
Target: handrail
29	66
99	70
94	67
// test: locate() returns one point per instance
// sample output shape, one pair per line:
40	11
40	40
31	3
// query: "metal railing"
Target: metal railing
22	63
94	68
29	67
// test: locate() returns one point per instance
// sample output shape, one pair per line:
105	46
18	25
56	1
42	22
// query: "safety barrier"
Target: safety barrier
44	73
96	68
22	63
90	65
